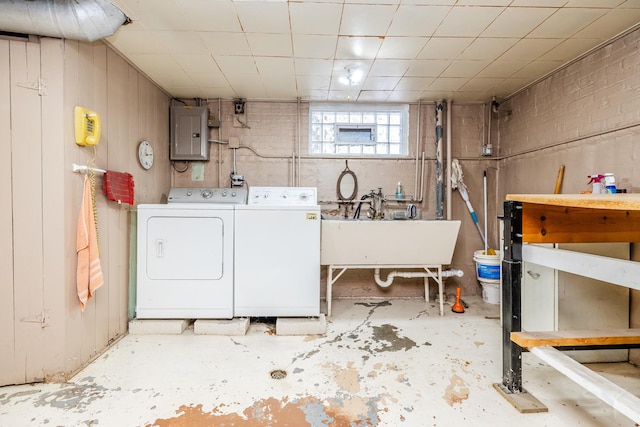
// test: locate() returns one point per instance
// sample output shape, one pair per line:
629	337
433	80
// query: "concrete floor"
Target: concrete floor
391	363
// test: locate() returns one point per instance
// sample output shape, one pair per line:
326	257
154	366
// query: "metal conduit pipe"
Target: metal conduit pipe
447	182
410	274
87	20
439	177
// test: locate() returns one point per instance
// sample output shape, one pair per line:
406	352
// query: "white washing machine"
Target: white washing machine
277	253
185	255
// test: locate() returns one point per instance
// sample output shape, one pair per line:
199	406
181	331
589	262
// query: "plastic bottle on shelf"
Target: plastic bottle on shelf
610	183
399	192
596	181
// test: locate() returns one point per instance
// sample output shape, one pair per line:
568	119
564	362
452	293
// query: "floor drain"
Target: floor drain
278	374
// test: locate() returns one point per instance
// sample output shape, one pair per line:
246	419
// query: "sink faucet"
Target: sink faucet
375	209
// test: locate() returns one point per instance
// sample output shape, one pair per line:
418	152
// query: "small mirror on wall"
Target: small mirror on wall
347	186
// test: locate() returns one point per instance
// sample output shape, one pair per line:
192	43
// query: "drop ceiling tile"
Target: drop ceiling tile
153	63
196	63
517	22
263	17
529	49
181	42
270	44
427	67
483	2
444	47
243	85
129	40
609	25
510	86
593	3
437	95
537	69
217	92
366	20
343	95
374	95
281	88
631	4
184	92
315	18
502	68
380	83
401	47
412	20
275	68
232	65
487	48
464	68
209	79
312	46
430	2
162	15
226	43
404	96
447	83
566	22
172	78
207	15
481	84
313	83
313	67
539	3
414	83
350	47
569	49
389	67
340	66
467	21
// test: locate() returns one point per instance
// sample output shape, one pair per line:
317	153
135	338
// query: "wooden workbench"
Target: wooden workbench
539	218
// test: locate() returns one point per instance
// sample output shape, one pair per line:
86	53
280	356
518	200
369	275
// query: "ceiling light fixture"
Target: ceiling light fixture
353	77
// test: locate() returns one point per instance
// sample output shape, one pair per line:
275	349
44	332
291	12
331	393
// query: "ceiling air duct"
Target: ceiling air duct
86	20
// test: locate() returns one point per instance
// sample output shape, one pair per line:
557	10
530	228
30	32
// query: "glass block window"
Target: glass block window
377	130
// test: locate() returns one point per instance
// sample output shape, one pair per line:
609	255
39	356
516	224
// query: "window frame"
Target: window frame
345	148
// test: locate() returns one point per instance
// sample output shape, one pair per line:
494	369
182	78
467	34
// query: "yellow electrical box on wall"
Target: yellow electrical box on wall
87	127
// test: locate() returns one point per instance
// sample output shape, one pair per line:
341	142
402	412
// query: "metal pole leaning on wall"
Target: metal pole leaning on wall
439	178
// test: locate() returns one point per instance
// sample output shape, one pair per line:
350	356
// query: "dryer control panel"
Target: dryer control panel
283	196
208	195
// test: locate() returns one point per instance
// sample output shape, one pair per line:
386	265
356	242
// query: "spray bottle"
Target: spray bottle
596	181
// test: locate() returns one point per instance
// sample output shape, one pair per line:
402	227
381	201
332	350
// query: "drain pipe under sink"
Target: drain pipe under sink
410	274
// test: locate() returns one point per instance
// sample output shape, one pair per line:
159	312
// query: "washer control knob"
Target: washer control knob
224	194
189	192
207	194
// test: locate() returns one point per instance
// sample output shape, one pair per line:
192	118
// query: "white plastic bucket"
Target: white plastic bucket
487	266
490	292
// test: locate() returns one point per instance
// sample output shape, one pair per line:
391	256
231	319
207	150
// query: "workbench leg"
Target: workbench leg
511	386
329	288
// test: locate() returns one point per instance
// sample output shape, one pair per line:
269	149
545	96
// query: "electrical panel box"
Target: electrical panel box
189	133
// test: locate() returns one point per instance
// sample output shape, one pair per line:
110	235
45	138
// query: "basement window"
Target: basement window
347	129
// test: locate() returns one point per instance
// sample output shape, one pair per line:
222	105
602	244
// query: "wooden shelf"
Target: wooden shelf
576	338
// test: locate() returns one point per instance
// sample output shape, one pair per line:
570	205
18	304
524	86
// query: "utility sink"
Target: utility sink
388	242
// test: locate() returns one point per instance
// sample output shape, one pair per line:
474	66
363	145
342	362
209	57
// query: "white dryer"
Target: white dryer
277	253
185	255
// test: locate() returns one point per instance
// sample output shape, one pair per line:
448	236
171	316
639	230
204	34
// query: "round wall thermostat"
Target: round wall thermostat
145	154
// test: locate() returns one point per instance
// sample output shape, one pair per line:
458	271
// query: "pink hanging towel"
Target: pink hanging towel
89	274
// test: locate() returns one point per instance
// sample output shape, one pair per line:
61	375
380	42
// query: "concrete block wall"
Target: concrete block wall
274	131
586	117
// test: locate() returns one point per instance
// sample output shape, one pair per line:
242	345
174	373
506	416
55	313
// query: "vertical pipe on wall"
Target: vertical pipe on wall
439	179
297	183
448	170
418	121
